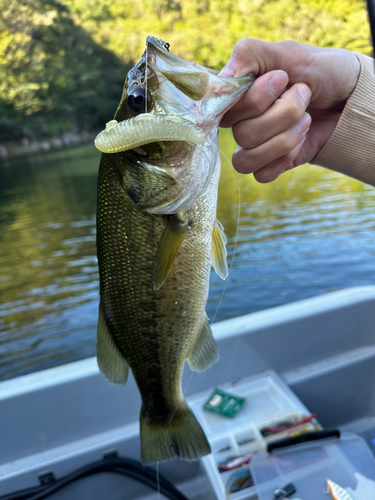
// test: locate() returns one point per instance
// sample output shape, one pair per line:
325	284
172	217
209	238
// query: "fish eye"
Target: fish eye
137	99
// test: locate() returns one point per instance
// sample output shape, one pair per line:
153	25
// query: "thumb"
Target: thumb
330	73
251	55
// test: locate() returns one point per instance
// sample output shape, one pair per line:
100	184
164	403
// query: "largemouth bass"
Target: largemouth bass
157	237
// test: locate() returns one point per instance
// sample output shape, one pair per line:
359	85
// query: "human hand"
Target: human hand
291	110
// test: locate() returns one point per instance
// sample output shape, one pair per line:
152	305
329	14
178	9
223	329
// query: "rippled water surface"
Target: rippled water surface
310	232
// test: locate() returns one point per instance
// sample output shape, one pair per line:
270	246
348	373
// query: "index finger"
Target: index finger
260	96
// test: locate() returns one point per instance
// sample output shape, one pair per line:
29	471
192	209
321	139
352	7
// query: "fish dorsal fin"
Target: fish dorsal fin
204	352
169	246
111	362
219	251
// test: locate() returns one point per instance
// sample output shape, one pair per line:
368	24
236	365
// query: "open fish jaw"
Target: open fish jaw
184	102
190	90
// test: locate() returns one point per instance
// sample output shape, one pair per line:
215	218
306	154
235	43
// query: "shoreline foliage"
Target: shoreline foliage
63	63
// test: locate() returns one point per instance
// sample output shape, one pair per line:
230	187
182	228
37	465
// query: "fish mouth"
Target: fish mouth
182	89
151	128
162	48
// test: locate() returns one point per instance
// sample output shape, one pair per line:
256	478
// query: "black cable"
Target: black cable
125	466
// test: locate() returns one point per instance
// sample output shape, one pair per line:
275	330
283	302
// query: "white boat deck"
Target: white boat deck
63	418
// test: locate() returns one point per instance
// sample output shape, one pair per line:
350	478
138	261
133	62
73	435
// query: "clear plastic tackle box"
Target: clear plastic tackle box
268	402
346	461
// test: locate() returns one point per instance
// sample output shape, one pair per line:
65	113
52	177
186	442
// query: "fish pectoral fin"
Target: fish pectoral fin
219	250
111	362
204	352
169	246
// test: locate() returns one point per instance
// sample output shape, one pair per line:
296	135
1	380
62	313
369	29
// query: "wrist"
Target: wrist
350	149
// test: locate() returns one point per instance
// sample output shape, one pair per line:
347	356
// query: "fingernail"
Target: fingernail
304	91
305	123
227	71
278	82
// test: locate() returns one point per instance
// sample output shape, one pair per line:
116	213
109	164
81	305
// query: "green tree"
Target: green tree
63	63
51	73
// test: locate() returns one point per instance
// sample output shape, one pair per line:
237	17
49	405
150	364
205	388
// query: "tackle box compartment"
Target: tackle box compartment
268	401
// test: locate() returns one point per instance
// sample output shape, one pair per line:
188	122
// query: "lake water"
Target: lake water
310	232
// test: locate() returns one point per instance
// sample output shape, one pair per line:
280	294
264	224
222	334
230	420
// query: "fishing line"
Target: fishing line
188	382
230	265
231	361
146	77
197	479
233	255
157	478
235	239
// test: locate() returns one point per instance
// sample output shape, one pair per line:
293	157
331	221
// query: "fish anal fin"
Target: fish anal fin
169	246
219	251
180	436
111	362
204	352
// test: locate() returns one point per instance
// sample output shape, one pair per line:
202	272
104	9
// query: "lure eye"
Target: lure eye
137	99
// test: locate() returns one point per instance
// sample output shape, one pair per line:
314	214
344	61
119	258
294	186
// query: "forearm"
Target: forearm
351	148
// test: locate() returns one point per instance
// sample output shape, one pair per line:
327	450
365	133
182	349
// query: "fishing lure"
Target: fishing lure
286	425
337	492
234	462
239	481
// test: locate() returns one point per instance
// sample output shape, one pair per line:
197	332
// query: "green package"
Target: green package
224	404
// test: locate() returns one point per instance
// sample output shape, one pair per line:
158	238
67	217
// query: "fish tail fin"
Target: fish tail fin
181	436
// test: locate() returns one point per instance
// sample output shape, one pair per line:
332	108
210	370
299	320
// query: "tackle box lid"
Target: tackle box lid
346	460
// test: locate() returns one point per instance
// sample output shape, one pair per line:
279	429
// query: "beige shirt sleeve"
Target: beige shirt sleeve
351	148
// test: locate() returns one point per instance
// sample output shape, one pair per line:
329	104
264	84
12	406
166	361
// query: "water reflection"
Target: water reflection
48	270
310	232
